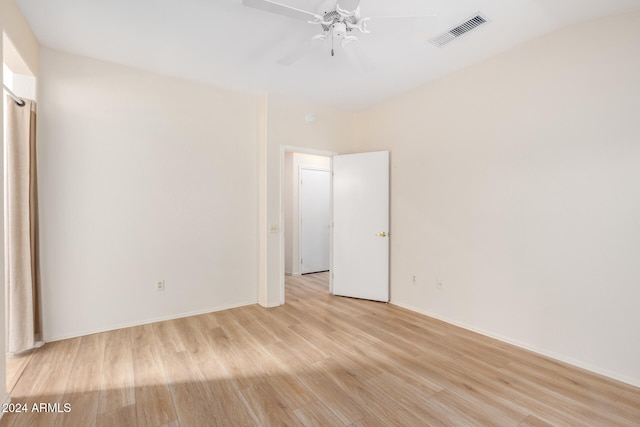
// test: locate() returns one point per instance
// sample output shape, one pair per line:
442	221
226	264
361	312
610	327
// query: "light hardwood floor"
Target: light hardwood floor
318	360
16	363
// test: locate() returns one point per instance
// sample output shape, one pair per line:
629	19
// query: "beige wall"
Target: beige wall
174	165
142	177
515	185
22	54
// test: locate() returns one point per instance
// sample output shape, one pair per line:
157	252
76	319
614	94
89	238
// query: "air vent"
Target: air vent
449	36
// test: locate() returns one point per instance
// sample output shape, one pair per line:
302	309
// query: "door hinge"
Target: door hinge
301	261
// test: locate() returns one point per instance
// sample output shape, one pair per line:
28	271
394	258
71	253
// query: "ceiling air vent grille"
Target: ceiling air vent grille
452	34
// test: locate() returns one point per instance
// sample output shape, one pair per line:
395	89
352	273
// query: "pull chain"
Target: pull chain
332	42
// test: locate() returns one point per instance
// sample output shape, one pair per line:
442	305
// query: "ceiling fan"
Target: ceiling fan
339	21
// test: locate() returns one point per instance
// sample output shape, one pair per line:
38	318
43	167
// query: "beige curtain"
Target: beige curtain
21	221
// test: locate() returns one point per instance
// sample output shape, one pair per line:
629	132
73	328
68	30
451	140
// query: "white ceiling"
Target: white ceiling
223	43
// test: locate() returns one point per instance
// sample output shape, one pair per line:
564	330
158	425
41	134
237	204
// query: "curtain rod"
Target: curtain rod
19	101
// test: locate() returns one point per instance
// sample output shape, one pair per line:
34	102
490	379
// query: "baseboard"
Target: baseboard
559	357
147	321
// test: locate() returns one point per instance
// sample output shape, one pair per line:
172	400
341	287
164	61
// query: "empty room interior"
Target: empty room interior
331	212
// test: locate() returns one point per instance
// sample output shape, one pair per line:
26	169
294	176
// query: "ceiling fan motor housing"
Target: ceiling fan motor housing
333	17
339	29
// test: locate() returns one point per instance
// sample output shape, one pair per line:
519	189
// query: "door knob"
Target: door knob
382	234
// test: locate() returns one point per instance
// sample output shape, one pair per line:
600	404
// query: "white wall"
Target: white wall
142	177
292	203
515	183
23	86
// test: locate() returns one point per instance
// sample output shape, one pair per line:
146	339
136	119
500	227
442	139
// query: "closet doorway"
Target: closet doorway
307	213
315	219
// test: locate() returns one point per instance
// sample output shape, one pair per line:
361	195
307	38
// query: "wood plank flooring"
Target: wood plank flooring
16	363
319	360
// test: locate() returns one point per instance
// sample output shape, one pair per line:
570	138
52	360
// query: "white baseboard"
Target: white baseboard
146	321
559	357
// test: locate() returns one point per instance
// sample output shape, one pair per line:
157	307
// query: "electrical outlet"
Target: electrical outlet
160	285
440	285
413	279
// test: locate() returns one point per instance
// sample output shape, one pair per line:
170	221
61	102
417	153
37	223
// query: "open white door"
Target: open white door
361	225
315	219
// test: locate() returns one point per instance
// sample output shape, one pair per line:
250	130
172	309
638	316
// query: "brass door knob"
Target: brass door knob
382	234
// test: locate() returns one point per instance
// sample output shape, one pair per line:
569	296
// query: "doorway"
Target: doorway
315	219
362	181
307	212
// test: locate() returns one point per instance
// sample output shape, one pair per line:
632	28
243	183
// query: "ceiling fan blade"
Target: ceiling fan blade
299	51
280	9
349	5
420	24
